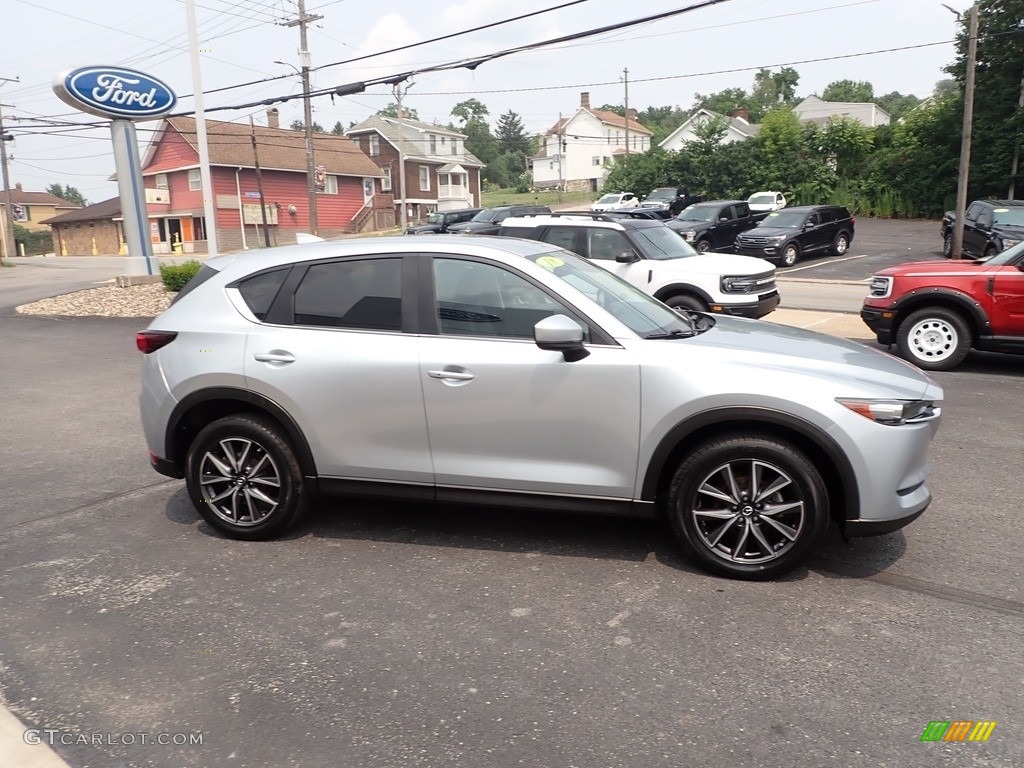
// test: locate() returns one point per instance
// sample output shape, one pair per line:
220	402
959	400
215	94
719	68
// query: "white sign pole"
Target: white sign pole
140	259
209	209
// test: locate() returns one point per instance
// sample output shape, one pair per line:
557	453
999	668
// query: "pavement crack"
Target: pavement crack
96	502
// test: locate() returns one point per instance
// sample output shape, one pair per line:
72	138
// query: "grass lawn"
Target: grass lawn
511	197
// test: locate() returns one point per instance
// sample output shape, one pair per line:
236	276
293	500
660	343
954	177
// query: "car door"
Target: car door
335	356
974	236
505	415
814	234
604	246
1007	316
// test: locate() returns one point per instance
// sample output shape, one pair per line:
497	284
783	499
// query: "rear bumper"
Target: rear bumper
880	321
165	467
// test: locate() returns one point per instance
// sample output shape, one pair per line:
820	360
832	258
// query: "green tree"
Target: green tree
511	135
708	136
338	129
847	142
661	121
299	125
897	104
849	90
774	88
391	110
479	140
724	102
68	193
470	110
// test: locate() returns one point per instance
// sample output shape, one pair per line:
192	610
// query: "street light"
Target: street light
308	130
965	137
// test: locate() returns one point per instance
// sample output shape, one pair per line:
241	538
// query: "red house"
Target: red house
351	201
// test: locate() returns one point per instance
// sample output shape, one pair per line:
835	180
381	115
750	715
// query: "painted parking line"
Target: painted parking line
22	748
819	264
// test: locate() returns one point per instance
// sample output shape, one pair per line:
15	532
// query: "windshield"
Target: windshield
761	199
642	314
698	213
662	194
487	214
661	243
435	218
788	219
609	199
1006	257
1009	217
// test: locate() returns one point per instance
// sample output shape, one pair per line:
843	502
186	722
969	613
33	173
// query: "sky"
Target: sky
670	60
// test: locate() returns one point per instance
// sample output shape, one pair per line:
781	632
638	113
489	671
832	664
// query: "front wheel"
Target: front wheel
790	255
244	479
685	302
935	339
702	246
947	245
748	506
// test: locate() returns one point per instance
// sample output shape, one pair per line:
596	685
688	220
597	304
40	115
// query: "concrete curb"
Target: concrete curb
844	324
16	753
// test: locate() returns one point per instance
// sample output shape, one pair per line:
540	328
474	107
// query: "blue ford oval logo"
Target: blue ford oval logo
115	92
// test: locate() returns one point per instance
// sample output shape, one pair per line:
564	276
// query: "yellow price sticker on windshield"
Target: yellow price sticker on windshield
550	262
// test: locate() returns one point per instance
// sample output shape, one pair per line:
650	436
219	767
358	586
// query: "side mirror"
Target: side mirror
723	218
561	334
627	257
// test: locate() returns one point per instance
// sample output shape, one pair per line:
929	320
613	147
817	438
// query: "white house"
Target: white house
577	151
814	110
737	128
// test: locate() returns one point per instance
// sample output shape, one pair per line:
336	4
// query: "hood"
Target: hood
770	232
687	226
868	372
422	228
934	268
470	226
725	264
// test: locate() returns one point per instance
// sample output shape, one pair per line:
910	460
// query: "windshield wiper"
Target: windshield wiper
678	333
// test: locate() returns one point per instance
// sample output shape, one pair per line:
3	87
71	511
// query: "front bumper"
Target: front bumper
880	321
757	251
860	528
765	304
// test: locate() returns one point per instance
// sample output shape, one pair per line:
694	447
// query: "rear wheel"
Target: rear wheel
990	252
790	255
686	302
841	244
935	339
244	479
748	506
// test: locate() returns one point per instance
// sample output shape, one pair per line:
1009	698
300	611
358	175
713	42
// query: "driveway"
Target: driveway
403	636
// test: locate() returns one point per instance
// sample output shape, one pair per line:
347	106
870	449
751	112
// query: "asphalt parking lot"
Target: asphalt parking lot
403	635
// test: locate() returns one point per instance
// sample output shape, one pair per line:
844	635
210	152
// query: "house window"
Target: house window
199	227
443	140
424	178
195	181
442	180
161	181
551	165
330	186
374	146
596	160
455	146
385	183
433	144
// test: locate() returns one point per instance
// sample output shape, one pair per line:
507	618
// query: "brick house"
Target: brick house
31	209
439	173
96	230
577	152
353	199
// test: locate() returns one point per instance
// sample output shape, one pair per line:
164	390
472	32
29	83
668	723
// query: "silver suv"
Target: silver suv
506	372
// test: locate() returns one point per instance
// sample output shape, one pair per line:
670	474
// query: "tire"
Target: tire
271	497
990	252
790	255
723	518
702	246
686	302
841	244
935	339
947	245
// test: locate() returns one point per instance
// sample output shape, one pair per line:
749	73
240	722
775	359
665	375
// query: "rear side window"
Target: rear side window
204	274
361	294
563	237
740	211
828	214
259	291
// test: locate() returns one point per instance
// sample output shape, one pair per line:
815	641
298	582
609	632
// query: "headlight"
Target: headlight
689	235
748	283
893	412
881	287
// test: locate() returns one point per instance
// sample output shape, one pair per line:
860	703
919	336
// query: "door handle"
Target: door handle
277	356
452	375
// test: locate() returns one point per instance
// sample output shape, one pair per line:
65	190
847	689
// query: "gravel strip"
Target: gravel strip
106	301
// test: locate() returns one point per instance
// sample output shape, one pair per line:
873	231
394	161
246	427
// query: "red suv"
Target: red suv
936	312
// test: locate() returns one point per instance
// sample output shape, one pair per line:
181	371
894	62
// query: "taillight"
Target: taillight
151	341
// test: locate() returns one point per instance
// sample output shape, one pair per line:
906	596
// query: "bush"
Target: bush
175	276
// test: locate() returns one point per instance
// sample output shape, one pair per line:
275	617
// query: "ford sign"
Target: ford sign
115	92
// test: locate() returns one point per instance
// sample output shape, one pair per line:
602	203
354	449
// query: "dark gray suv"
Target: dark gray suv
785	236
440	221
488	221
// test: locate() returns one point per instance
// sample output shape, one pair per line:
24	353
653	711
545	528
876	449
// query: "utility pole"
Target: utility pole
1016	147
965	138
205	174
8	234
399	93
307	108
259	183
560	138
625	80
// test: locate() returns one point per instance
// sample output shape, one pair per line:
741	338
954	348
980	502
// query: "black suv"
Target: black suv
785	236
990	226
439	221
488	221
673	198
715	225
